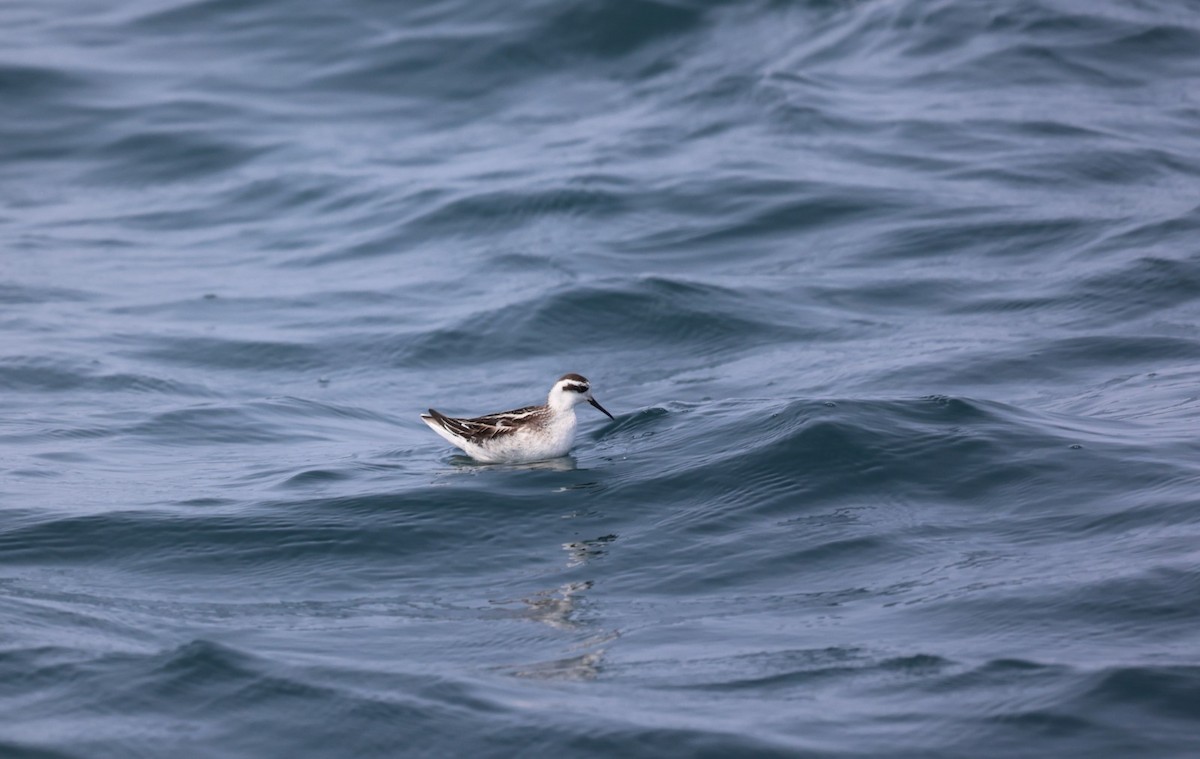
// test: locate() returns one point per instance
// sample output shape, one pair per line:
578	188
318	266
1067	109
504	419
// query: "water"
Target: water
895	303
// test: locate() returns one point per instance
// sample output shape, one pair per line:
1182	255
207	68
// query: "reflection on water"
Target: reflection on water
584	551
585	667
560	609
560	464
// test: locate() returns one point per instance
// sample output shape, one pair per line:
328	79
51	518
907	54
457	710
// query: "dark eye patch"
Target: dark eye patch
578	388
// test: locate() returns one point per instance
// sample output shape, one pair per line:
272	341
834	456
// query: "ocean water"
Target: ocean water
896	303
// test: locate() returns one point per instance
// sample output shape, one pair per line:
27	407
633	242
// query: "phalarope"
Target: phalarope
532	433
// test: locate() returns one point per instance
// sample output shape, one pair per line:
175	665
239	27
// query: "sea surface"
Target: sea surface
896	303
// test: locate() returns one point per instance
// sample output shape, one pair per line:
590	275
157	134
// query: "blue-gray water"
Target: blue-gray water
896	304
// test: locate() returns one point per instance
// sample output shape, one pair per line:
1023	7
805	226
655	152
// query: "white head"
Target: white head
570	390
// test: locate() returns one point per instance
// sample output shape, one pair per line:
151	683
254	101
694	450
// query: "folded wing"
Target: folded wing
484	427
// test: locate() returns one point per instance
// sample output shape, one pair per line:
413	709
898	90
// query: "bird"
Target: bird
532	433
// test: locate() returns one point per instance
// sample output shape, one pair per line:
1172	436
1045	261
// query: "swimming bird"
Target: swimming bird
532	433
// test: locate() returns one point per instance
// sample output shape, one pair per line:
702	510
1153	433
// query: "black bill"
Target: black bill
597	405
